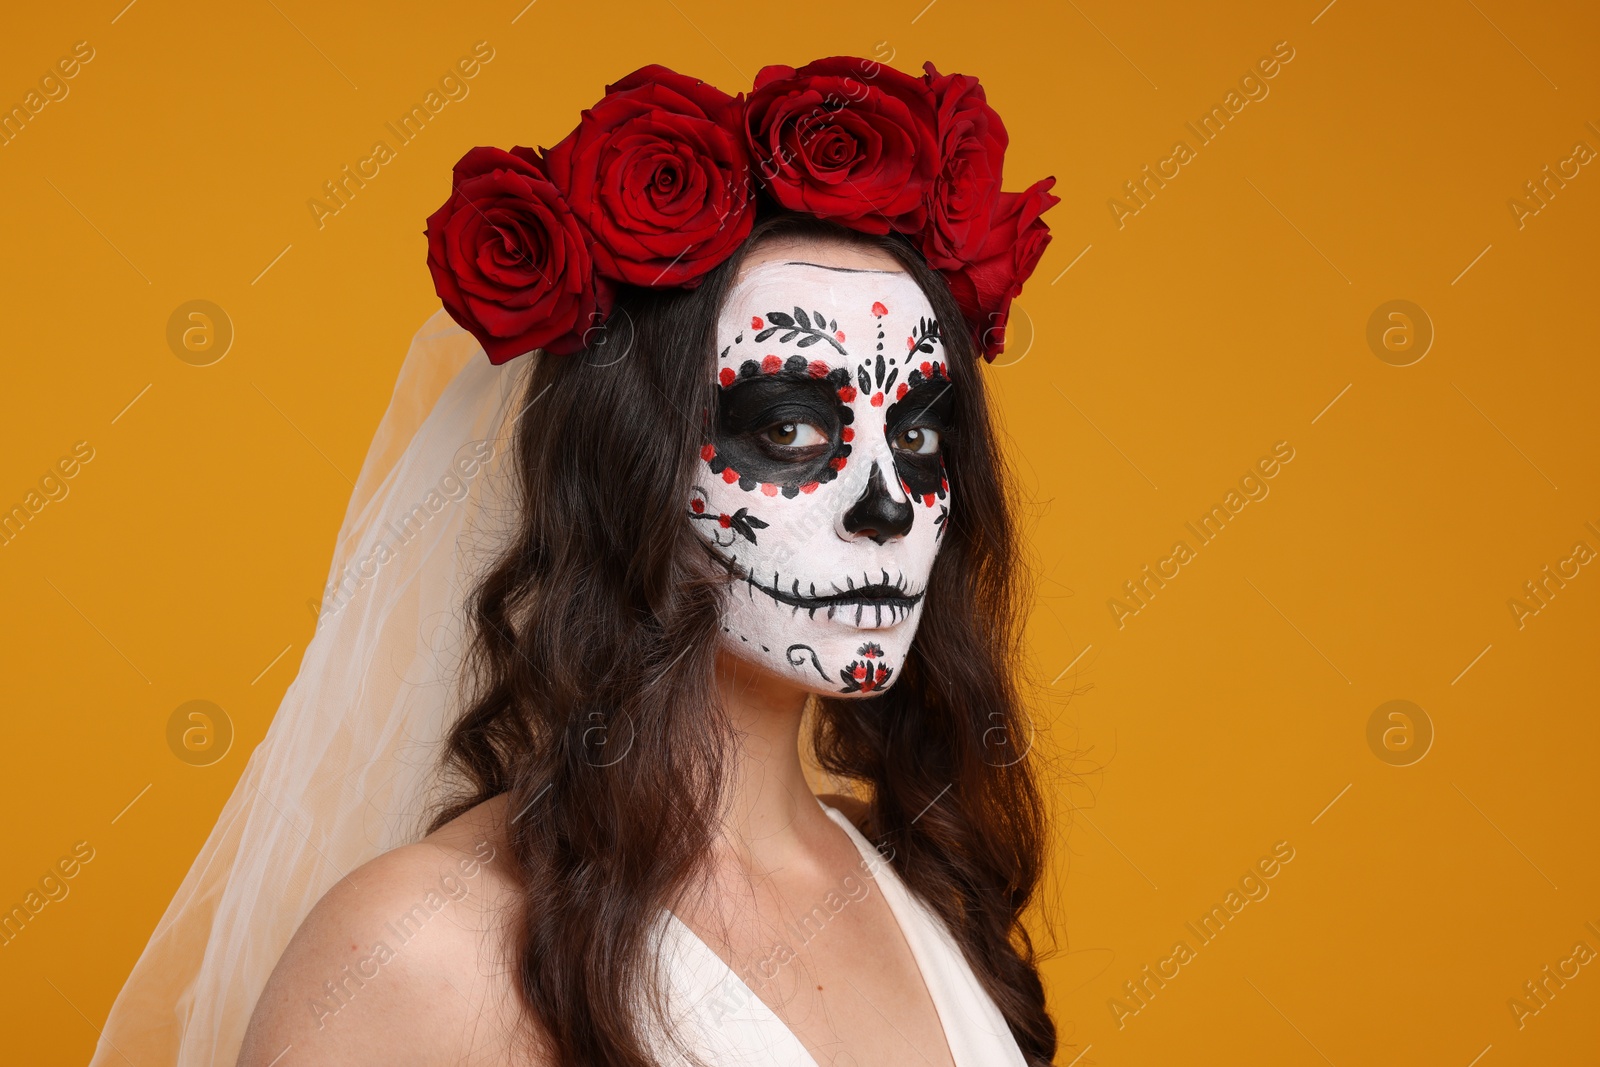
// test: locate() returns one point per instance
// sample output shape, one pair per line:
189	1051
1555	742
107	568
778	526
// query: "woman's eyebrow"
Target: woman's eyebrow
786	376
846	270
786	373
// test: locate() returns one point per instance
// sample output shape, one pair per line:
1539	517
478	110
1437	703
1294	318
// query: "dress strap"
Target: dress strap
976	1032
716	1016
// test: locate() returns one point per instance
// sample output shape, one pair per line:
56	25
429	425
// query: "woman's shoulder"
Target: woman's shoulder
405	960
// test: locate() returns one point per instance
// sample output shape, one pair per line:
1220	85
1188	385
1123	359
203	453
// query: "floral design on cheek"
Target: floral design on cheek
739	524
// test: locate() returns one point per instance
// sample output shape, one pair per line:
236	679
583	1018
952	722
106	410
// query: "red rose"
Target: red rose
509	260
845	139
659	174
1017	238
972	150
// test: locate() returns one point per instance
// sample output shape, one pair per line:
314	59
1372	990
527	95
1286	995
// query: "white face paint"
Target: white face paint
823	479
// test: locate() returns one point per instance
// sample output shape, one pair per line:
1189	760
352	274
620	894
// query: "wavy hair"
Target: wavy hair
597	631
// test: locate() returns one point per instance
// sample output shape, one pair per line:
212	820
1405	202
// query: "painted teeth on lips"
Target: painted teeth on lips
870	603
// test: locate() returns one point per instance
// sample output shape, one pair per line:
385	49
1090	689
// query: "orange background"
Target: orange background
1229	714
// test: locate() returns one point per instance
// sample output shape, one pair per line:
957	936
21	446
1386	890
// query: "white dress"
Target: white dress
718	1016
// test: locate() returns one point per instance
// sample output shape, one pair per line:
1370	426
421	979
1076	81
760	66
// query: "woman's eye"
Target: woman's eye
794	435
918	439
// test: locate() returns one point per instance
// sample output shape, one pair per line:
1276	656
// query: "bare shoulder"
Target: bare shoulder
856	810
406	960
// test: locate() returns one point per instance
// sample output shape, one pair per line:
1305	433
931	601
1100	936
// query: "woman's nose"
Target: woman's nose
876	514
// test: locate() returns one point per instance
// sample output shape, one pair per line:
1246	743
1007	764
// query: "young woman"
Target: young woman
749	510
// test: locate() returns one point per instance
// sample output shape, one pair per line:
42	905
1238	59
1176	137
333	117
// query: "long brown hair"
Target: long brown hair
595	706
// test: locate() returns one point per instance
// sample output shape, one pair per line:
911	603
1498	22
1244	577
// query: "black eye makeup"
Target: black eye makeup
920	426
780	413
780	426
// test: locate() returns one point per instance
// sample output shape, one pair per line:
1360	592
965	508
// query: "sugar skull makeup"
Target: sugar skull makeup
822	477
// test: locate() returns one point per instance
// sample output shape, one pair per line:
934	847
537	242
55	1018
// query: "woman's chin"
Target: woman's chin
852	654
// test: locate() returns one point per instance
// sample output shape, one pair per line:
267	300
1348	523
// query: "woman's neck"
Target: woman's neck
769	810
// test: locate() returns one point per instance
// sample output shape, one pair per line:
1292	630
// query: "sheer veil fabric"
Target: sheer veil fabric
349	767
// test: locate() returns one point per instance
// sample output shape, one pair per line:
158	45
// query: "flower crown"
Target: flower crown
661	181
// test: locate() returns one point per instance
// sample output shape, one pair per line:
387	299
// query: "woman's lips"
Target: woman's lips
867	604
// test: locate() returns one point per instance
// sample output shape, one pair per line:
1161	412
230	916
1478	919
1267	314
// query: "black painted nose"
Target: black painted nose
876	514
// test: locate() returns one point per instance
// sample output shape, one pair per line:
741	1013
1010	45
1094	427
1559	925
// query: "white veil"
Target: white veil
347	769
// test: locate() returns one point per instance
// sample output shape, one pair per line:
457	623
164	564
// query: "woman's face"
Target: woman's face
823	475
